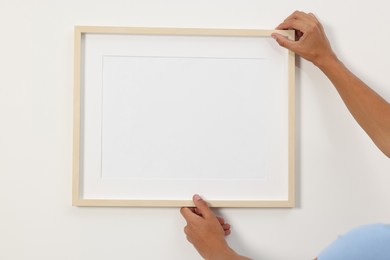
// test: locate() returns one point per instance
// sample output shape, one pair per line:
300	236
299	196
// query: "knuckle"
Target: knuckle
298	13
281	43
186	230
317	23
183	211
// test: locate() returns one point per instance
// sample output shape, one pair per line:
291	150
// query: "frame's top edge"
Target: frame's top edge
178	31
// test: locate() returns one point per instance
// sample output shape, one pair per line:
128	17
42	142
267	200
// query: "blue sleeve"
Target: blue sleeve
369	242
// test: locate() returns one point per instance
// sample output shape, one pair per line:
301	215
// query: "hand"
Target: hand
311	42
221	220
206	231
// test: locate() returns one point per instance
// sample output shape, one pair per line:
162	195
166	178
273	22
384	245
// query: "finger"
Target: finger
298	15
189	239
202	206
282	26
188	214
192	209
221	220
295	24
226	227
283	41
293	16
297	20
227	232
287	25
197	211
298	35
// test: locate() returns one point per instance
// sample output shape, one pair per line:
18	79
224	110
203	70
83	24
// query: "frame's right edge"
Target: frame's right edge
291	118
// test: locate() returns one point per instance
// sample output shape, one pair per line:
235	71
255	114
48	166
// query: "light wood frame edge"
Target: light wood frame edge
78	33
76	116
291	122
183	203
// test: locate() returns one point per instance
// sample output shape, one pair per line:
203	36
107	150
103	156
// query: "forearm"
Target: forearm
370	110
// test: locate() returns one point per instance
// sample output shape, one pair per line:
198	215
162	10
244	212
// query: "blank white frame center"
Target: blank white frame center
161	114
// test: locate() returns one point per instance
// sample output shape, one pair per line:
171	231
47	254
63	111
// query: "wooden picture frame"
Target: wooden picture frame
113	46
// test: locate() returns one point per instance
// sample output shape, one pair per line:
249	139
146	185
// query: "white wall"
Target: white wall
343	180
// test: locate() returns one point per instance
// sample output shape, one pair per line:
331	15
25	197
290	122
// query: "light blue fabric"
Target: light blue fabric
369	242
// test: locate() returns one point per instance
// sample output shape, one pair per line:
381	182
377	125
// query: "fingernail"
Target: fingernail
197	197
273	36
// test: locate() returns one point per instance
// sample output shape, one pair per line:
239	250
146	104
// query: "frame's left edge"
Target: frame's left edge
76	117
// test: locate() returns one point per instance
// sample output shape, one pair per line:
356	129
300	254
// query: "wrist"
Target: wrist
221	252
327	62
225	253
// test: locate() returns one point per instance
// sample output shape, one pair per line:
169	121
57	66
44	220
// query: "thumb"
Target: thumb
202	206
284	41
